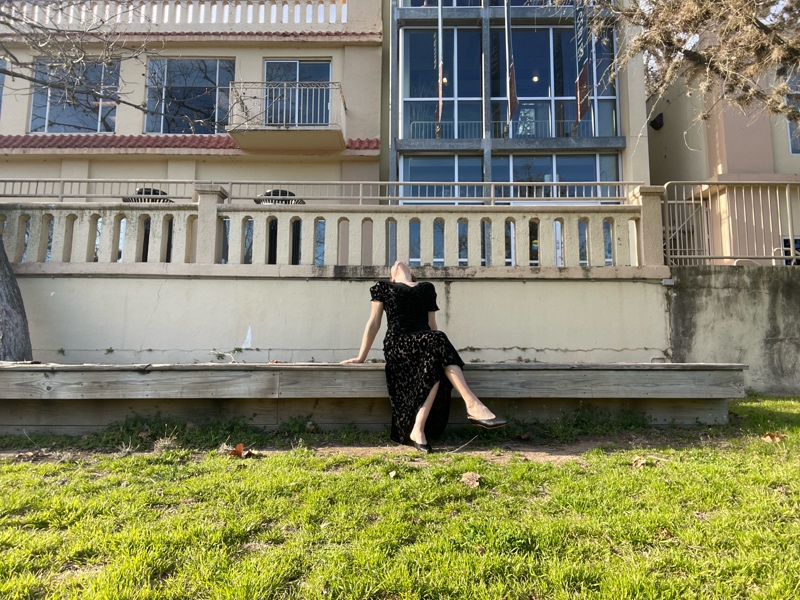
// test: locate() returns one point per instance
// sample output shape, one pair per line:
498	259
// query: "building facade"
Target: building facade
259	91
472	140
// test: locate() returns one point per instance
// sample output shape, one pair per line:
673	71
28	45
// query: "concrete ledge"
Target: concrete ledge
76	399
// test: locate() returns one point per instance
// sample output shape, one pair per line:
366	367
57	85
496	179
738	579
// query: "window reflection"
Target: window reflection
188	95
69	102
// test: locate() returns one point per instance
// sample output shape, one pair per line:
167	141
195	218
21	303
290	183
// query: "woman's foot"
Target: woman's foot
420	443
494	423
478	414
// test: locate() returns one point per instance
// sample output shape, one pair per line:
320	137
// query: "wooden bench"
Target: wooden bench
76	399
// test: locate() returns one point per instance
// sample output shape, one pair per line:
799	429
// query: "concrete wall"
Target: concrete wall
746	315
155	320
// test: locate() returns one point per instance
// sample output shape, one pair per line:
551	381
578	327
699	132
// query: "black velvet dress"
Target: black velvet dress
415	357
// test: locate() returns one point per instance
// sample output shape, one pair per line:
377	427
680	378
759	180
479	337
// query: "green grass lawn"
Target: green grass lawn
648	513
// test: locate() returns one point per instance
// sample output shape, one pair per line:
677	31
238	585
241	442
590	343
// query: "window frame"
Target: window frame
451	101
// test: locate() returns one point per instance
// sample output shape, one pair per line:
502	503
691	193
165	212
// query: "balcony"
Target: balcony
288	116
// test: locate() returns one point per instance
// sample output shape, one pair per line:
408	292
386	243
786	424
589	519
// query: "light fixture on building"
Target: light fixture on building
444	80
658	122
535	79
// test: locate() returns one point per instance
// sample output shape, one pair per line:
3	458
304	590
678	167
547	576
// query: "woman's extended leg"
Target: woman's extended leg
475	408
418	431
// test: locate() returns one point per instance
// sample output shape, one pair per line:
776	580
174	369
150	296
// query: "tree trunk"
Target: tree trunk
15	340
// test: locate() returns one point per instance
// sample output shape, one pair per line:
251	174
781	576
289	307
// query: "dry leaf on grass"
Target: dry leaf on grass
392	474
470	479
774	438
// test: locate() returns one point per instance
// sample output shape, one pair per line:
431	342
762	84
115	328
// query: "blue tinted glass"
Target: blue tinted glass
564	67
575	167
314	71
532	61
470	121
497	43
420	70
275	70
188	95
75	110
192	72
536	169
604	57
469	63
421	120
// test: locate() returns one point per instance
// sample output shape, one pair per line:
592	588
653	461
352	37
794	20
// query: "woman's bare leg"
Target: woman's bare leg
418	432
475	408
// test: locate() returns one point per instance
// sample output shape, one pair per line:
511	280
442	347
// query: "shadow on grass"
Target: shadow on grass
748	417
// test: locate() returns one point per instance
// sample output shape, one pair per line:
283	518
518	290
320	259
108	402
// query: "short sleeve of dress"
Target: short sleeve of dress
378	292
430	298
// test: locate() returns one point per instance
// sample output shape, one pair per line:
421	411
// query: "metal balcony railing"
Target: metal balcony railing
741	223
286	105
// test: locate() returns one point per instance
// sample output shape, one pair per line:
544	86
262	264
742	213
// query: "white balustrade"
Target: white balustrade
180	14
287	234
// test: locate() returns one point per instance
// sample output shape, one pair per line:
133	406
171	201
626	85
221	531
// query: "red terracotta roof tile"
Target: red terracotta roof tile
367	144
108	140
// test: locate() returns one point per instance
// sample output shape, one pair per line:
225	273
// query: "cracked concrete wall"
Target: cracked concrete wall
747	315
182	320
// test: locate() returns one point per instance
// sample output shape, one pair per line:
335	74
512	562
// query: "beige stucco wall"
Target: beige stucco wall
633	121
730	145
156	320
678	151
785	161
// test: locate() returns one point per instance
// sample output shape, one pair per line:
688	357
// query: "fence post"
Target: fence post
649	230
208	197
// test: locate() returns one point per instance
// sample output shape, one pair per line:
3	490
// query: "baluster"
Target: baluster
308	242
622	241
474	240
260	234
379	225
403	240
59	233
355	241
498	237
107	252
571	241
425	240
235	238
331	239
180	237
84	236
37	239
451	240
283	254
157	243
13	236
522	242
597	246
547	241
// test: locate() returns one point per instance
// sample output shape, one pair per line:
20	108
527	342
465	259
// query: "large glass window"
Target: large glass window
428	170
552	172
69	103
188	95
297	92
461	84
545	79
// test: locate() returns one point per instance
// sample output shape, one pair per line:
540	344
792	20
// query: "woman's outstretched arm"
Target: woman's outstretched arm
371	330
432	321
